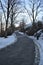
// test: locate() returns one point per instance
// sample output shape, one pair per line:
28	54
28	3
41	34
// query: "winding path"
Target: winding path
19	53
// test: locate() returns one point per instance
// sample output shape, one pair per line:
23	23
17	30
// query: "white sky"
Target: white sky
25	15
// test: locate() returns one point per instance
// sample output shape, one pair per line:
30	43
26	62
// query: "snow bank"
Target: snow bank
7	41
39	31
21	33
39	43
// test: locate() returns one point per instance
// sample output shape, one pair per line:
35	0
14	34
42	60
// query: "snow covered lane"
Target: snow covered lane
7	41
39	43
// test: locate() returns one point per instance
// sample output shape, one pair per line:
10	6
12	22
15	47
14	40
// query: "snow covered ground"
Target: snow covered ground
7	41
39	43
21	33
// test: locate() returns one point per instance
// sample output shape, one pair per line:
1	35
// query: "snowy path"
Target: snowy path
19	53
40	45
7	41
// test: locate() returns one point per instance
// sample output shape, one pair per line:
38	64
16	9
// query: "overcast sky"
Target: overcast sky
25	15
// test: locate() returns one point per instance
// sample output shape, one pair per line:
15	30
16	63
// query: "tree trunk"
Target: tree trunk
12	17
33	15
7	18
1	28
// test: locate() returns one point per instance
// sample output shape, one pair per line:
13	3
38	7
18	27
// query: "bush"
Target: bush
31	30
9	31
34	28
2	34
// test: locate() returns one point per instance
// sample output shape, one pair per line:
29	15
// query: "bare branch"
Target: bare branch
37	12
3	10
35	6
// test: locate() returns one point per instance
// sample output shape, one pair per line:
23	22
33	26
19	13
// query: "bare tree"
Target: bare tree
15	10
35	7
8	9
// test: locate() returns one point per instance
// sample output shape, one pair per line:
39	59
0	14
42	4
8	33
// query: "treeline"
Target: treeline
30	30
10	9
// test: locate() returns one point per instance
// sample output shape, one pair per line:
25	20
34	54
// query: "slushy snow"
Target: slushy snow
7	41
39	43
40	46
21	33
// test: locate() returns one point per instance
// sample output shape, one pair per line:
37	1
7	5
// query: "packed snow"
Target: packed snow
39	43
21	33
7	41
